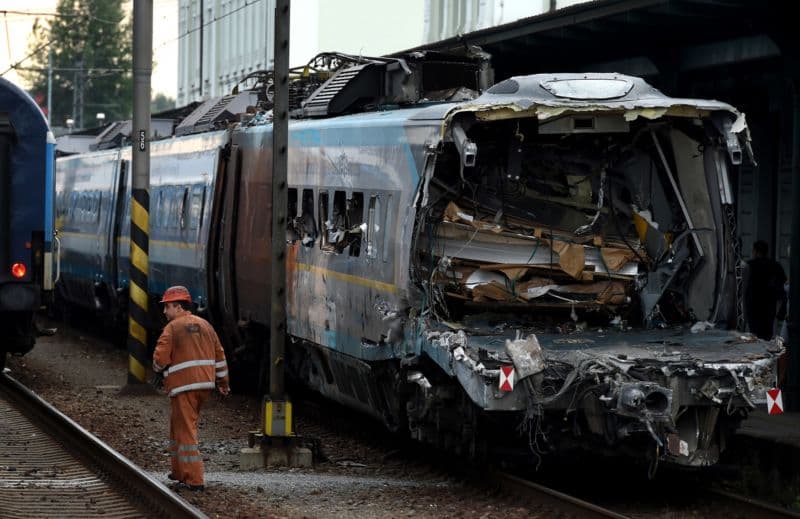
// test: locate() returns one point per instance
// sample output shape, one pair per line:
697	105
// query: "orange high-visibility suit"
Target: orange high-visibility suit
195	364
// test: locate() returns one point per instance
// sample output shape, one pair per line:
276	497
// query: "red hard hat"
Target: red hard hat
177	293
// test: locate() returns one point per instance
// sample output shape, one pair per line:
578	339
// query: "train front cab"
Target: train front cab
27	275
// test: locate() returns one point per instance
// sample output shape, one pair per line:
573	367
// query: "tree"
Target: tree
161	103
91	45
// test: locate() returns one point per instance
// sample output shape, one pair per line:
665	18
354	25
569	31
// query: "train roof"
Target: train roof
551	95
21	110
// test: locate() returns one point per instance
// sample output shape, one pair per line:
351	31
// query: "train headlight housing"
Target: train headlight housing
18	270
644	399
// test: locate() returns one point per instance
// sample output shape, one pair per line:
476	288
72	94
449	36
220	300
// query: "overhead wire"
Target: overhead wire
16	65
58	15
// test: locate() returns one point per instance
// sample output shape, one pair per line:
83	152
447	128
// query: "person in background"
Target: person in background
763	291
192	360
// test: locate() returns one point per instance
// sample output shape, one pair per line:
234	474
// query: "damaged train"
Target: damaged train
541	264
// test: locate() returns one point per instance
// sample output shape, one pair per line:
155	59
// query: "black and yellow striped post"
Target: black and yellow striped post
140	203
138	304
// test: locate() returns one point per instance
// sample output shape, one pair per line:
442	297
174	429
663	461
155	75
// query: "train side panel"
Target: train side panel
352	182
93	208
87	194
182	178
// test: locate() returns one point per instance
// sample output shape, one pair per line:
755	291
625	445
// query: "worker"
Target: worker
192	360
763	291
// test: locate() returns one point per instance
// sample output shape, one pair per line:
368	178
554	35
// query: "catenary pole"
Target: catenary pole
50	86
280	139
140	200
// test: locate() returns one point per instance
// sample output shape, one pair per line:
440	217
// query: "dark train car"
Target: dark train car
27	162
548	265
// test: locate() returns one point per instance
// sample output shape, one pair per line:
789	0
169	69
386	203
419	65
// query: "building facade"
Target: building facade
221	42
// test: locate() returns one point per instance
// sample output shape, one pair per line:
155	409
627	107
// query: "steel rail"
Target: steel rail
753	508
544	495
144	491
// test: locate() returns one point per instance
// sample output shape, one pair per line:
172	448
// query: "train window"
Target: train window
73	206
173	216
158	211
183	208
196	209
372	226
83	205
324	222
355	223
166	209
307	226
387	207
337	225
96	201
292	234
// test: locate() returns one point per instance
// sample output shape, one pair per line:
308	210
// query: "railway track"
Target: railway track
541	495
717	503
751	508
642	503
52	467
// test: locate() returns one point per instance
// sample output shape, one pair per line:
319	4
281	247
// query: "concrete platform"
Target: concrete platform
763	457
783	428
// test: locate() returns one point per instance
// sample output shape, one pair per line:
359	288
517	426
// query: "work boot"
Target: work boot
194	488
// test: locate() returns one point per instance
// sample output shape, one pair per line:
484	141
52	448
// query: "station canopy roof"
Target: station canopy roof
638	37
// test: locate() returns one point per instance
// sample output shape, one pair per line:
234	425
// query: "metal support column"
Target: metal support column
50	85
792	395
278	409
140	203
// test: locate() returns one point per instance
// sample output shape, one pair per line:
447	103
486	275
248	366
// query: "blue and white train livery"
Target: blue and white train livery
546	265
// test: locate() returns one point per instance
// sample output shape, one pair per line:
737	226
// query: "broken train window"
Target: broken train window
373	227
345	226
307	225
568	221
292	235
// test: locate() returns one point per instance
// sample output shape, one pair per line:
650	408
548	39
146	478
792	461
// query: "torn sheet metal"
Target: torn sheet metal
526	354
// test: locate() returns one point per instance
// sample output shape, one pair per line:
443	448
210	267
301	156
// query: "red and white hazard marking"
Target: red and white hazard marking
507	378
774	401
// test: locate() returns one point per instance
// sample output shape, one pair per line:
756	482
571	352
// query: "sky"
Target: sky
15	30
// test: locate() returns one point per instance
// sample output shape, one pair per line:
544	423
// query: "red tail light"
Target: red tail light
18	270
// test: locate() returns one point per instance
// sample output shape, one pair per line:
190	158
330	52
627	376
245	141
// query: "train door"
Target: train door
222	244
196	195
119	202
122	230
